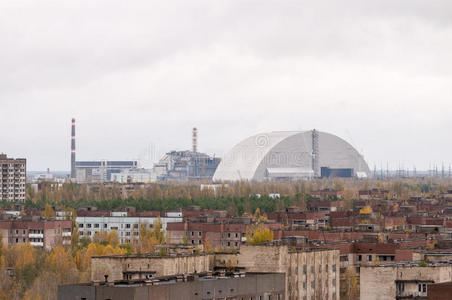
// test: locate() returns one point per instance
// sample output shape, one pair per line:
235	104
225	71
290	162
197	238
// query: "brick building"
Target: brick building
36	231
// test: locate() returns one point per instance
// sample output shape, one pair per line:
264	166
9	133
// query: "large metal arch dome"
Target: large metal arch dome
289	154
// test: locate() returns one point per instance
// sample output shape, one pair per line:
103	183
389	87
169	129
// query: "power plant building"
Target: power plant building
101	171
285	155
185	165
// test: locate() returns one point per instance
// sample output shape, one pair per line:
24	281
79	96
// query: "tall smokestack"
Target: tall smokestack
195	140
73	175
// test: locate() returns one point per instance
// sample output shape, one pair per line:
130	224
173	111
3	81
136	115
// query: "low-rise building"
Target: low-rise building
126	223
184	286
408	280
37	231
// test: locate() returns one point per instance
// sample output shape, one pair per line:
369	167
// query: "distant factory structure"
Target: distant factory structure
102	170
287	155
186	165
173	166
99	170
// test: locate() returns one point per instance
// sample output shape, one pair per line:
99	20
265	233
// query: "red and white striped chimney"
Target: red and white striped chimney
73	175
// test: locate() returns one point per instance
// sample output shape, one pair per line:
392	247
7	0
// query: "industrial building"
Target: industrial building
186	165
101	170
285	155
96	171
12	178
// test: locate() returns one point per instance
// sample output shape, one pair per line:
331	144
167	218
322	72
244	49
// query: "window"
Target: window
334	268
199	233
236	235
304	269
96	225
360	258
422	287
127	225
192	233
326	268
334	282
105	225
312	284
304	285
228	243
229	234
199	242
236	244
400	287
312	269
369	257
88	225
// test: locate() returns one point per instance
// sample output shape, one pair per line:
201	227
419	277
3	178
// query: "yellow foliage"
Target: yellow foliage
100	236
113	238
49	213
366	210
258	234
21	255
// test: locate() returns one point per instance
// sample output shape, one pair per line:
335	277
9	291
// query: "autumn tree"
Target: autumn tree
113	238
258	234
49	213
351	284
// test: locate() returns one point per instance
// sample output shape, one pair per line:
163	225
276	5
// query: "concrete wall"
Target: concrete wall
314	274
379	282
309	274
252	285
114	266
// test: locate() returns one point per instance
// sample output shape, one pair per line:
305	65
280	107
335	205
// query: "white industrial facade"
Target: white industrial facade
288	155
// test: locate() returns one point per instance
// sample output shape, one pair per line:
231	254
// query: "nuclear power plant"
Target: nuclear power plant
286	155
186	165
279	155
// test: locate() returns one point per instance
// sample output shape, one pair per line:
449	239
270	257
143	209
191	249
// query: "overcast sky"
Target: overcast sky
138	75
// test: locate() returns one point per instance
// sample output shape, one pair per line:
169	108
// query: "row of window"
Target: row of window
105	225
333	267
24	231
380	257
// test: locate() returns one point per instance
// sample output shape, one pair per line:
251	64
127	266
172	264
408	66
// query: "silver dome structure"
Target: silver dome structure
291	155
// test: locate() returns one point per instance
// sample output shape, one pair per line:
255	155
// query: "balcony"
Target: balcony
36	235
37	244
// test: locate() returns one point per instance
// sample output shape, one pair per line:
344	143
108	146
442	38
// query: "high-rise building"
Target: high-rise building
12	178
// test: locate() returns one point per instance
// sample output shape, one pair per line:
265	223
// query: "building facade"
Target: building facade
183	287
102	170
38	232
127	224
309	274
403	280
12	178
